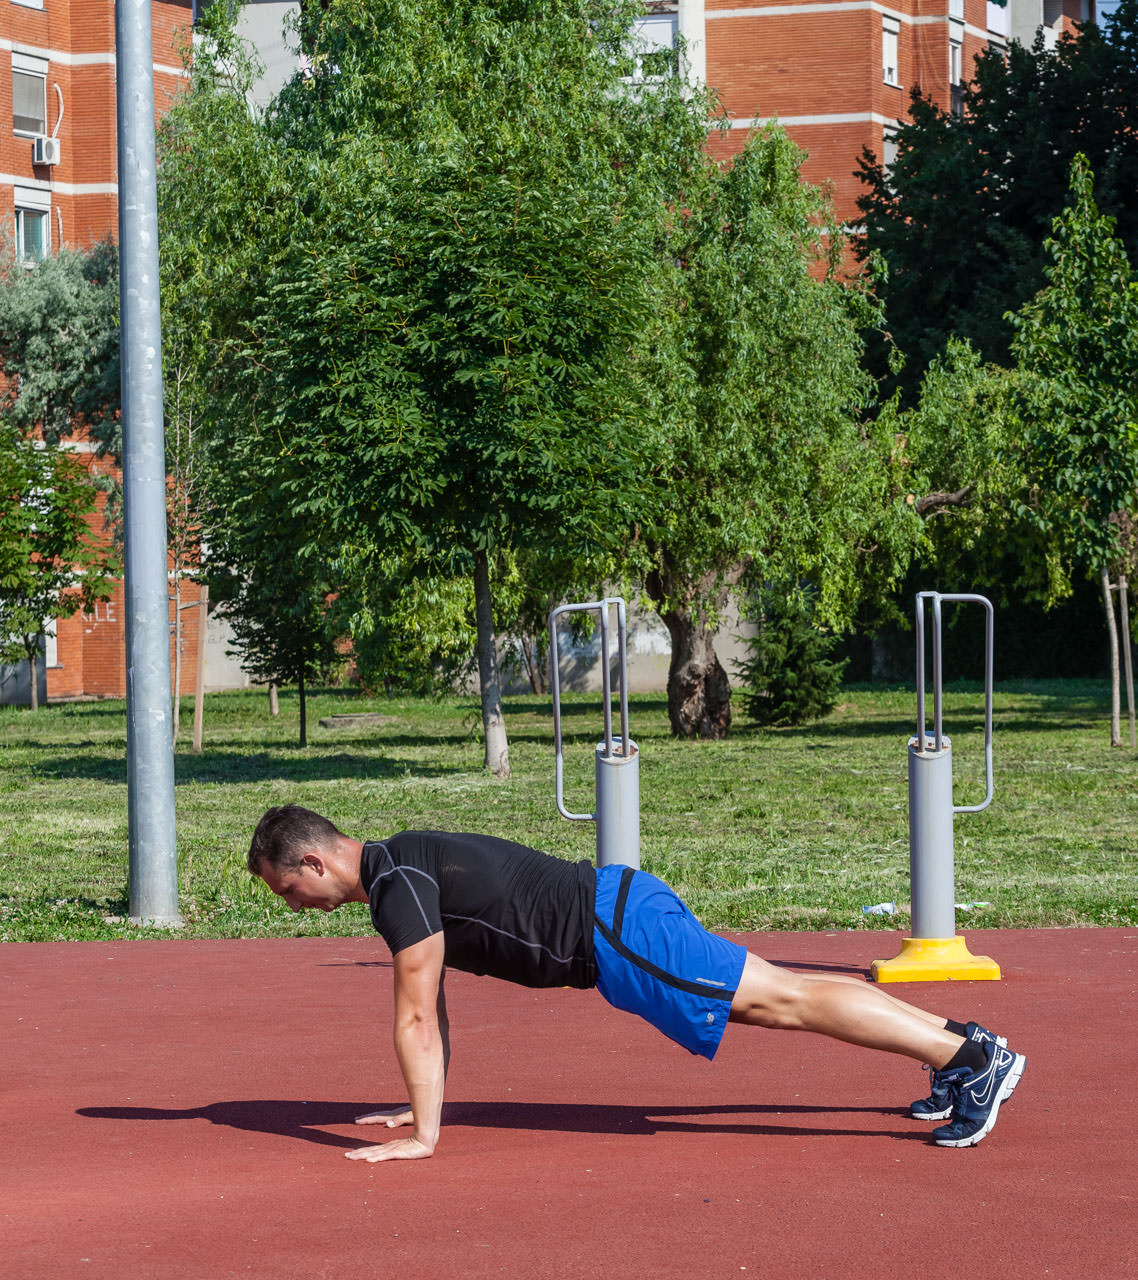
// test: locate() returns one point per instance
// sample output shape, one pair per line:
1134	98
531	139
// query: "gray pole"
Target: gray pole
149	733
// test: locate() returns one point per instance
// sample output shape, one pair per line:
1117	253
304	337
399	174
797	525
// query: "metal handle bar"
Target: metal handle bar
937	740
602	607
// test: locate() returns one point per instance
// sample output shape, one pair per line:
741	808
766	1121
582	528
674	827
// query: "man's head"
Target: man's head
285	834
305	859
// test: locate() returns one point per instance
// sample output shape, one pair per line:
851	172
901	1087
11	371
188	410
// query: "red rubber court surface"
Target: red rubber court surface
182	1109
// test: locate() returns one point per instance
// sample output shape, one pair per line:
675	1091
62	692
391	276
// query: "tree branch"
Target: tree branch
932	503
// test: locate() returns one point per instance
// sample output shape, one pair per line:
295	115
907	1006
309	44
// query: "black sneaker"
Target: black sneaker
976	1097
938	1105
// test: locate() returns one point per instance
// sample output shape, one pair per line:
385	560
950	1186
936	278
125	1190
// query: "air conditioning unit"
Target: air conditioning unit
46	151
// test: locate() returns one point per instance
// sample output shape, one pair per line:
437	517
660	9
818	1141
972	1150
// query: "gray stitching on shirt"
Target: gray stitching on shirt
411	888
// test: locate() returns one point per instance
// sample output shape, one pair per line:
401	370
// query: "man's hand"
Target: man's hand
400	1149
393	1118
422	1045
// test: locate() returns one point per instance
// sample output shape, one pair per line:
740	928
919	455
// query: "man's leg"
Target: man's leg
842	1008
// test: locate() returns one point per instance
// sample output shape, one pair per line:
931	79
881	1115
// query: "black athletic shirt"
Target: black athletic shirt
503	909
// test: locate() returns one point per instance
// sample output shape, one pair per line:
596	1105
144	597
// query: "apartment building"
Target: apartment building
835	73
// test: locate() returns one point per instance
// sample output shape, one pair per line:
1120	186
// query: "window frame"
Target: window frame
30	200
31	68
891	34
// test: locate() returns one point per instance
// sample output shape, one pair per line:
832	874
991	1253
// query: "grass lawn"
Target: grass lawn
785	829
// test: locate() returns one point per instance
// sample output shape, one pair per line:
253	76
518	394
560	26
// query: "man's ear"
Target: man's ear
315	861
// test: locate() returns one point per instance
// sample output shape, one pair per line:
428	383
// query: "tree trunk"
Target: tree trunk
1127	659
177	654
199	668
535	668
493	724
303	712
35	688
1112	635
699	693
274	699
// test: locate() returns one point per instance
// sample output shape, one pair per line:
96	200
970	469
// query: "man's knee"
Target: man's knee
768	996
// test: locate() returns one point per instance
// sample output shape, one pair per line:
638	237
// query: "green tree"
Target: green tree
788	675
1076	343
59	362
961	216
456	216
59	342
264	569
52	564
764	459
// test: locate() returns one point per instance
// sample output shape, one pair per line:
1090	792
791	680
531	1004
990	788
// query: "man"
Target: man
491	906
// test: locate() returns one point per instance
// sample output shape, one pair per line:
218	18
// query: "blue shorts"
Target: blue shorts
655	959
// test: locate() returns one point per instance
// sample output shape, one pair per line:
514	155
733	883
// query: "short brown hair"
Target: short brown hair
285	834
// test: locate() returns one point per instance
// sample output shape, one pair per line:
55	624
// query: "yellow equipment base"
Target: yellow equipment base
935	960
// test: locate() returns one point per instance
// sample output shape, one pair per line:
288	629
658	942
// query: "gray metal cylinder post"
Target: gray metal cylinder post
618	806
150	752
931	860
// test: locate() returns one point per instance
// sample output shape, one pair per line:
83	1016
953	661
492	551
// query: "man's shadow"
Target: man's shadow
308	1120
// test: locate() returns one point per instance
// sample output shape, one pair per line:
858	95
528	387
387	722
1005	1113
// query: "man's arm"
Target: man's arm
423	1049
396	1117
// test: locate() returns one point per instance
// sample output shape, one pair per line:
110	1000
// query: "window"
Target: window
653	51
31	234
29	95
890	33
889	153
955	76
998	22
33	224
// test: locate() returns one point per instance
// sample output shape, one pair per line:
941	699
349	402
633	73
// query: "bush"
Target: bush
788	677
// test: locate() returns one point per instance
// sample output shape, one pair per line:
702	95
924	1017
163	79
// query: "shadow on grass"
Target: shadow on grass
304	1120
583	705
221	766
956	721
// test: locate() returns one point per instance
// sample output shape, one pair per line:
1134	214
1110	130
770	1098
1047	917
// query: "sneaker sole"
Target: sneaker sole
931	1115
1006	1090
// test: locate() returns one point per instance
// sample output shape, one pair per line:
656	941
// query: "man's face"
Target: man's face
309	886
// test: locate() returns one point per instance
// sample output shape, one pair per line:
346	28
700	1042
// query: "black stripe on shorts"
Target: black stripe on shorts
669	979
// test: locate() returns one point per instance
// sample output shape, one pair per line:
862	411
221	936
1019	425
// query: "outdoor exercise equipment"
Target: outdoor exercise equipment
936	952
617	813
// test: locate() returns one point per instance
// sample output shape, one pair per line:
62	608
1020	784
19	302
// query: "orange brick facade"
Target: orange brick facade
70	45
819	68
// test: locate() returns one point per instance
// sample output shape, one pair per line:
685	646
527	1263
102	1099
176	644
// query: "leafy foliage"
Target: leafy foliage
788	675
962	214
59	342
1076	342
763	452
51	564
455	216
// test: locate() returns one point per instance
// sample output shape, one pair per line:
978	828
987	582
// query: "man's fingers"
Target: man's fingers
400	1149
393	1118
